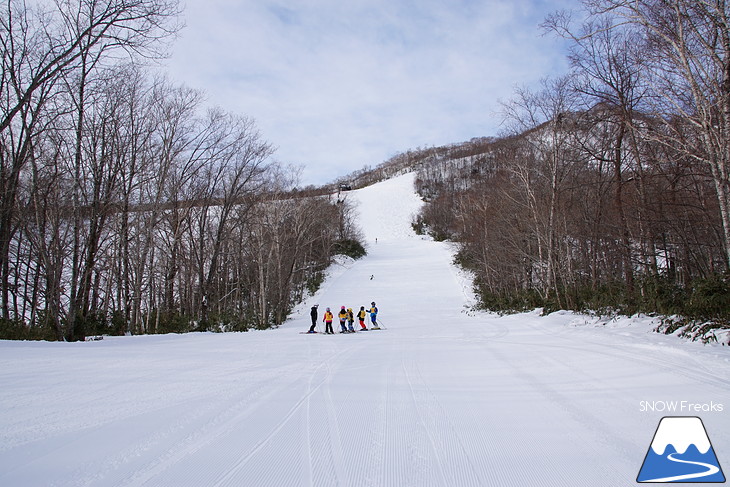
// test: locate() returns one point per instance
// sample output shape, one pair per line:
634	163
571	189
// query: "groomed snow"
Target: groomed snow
443	397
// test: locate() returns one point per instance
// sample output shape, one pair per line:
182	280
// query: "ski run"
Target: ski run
444	396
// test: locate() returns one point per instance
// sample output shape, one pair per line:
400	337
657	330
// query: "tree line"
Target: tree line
125	205
611	187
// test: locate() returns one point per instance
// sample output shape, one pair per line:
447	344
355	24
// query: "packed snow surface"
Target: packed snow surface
444	396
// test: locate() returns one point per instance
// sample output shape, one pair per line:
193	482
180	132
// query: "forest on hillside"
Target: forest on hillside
610	190
125	205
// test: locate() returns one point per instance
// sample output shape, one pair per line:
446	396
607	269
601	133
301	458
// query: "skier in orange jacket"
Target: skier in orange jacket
328	317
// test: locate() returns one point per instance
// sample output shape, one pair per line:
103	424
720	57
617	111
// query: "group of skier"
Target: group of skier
347	319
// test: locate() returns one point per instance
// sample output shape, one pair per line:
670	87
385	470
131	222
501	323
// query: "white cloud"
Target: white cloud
338	85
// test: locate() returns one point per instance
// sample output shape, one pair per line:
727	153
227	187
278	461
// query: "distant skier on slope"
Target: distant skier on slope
361	317
313	314
328	317
343	318
374	316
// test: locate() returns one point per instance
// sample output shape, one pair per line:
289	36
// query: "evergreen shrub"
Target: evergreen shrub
350	247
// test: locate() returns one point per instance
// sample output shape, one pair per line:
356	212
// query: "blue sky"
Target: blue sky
336	85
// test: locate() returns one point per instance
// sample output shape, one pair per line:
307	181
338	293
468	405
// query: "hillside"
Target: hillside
443	396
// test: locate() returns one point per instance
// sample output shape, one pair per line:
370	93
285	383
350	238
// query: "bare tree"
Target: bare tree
42	46
547	117
608	71
689	58
234	179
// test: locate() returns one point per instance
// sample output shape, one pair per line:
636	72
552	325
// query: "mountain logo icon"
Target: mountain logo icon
680	452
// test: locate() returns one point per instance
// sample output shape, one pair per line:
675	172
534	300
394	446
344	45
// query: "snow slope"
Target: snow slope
443	397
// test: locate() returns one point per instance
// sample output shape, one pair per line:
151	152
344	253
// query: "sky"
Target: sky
337	85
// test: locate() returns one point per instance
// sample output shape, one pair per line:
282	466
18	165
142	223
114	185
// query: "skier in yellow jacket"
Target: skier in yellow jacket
343	318
350	320
361	317
328	317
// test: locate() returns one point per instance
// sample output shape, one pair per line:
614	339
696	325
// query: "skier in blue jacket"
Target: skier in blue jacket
374	315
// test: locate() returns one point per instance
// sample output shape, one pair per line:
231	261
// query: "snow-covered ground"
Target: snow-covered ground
442	397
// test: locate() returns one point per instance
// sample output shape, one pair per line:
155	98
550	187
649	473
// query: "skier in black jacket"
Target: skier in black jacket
313	314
